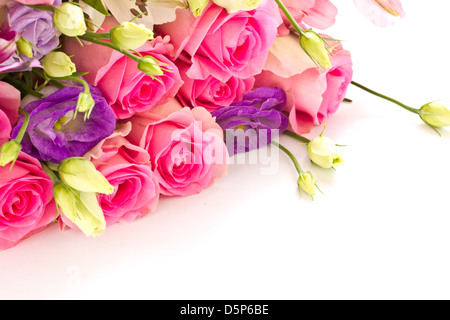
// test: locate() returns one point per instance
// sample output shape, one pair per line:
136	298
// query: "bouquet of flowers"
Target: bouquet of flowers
107	105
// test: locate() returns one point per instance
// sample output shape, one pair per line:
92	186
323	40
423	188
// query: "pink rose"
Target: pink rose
126	89
211	93
186	148
25	201
320	14
223	45
126	167
313	95
9	110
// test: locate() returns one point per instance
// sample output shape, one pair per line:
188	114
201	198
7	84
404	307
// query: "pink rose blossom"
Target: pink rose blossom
186	148
9	110
320	14
126	89
126	167
381	12
313	95
222	45
5	128
211	93
25	201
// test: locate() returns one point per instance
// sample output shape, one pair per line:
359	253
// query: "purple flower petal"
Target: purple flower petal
252	122
76	136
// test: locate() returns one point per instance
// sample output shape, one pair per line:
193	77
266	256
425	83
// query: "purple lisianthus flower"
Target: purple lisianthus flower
36	26
252	122
54	135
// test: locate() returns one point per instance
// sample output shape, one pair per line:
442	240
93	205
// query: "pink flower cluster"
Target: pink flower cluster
166	142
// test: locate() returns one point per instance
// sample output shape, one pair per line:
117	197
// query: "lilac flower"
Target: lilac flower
36	26
252	123
54	135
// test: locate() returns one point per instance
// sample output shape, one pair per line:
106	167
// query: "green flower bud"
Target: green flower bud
150	66
69	19
130	36
81	174
85	102
307	183
323	152
197	6
81	208
58	65
314	46
9	152
236	5
435	115
24	47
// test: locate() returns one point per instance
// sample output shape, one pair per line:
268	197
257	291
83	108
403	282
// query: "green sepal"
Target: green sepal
97	5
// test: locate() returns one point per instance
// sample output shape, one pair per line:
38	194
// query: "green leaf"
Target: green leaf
97	5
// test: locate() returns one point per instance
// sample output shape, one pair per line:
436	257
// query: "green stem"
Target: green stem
290	155
70	78
296	136
24	127
50	173
98	35
22	86
290	17
404	106
112	46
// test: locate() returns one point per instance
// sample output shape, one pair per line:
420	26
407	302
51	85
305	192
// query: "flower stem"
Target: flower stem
86	37
24	127
71	78
404	106
290	155
50	173
22	86
98	35
296	136
290	17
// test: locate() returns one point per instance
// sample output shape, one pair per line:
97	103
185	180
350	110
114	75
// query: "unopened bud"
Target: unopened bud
435	115
314	46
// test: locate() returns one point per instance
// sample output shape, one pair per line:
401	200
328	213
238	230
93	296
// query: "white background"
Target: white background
381	230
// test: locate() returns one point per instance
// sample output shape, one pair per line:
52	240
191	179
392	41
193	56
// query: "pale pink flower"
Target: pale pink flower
312	94
186	148
320	14
381	12
126	167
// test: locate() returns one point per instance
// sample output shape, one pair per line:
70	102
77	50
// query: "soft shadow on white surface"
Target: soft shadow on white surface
379	231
